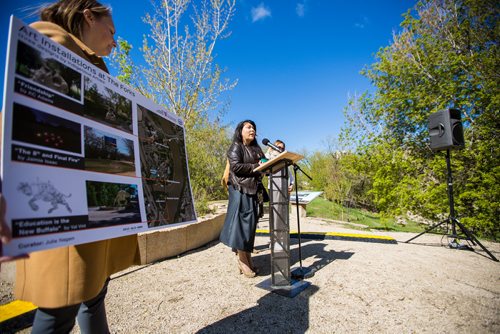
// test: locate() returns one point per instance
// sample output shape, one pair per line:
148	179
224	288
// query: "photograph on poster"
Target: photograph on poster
40	128
108	153
111	204
48	72
166	186
104	105
40	191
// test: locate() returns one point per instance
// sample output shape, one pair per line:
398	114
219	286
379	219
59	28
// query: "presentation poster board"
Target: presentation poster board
84	156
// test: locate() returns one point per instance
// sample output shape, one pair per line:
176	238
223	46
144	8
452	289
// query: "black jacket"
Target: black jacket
242	161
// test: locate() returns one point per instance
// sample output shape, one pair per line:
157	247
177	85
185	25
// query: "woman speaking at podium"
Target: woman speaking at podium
238	232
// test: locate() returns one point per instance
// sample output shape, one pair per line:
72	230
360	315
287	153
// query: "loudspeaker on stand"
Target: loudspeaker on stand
445	130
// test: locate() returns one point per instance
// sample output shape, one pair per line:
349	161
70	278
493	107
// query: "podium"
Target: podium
277	170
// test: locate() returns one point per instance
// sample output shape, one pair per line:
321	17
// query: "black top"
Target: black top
242	161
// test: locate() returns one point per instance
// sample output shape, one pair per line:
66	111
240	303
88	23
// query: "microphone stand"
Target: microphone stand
299	273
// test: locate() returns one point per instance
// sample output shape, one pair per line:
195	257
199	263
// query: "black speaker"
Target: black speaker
445	130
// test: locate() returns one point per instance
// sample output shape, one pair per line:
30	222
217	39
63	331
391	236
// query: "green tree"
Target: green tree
91	195
446	56
123	62
343	175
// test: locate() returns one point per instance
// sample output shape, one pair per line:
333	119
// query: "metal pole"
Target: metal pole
450	195
298	216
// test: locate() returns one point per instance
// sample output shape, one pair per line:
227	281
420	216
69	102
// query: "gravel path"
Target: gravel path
358	287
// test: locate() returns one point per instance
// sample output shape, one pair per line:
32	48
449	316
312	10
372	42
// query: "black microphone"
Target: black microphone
266	142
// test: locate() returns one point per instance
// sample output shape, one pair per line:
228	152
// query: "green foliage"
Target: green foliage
122	61
341	175
446	56
91	195
101	193
206	146
357	218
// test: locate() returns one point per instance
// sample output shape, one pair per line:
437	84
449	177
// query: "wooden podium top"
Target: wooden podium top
285	155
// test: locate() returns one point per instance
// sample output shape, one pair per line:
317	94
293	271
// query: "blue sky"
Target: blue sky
296	62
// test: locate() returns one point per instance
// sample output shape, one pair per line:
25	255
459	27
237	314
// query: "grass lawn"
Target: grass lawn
358	218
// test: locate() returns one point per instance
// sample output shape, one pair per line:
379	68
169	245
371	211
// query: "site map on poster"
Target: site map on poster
84	156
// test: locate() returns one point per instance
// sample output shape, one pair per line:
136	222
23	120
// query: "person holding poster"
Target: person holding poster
5	235
71	282
240	224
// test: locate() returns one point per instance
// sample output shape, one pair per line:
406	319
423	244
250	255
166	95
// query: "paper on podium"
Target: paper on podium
281	158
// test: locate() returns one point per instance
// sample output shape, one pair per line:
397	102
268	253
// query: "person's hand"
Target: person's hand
5	235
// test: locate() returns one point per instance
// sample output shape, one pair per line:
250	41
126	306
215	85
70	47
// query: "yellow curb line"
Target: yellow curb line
337	234
354	235
14	309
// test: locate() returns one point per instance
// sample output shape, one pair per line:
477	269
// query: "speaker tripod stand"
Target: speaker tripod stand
453	221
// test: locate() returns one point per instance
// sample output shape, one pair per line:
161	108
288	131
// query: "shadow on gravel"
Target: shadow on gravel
276	313
273	314
310	249
456	245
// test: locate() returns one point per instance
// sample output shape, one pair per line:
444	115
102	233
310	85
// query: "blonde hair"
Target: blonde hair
69	14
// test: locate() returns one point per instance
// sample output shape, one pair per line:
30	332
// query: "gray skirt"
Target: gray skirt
239	227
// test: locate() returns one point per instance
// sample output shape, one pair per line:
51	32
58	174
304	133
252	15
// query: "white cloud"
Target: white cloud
363	23
300	9
260	12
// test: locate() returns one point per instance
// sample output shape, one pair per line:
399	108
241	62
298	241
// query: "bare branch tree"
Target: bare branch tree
179	51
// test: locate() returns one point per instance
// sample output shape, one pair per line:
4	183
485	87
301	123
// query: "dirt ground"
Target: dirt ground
358	287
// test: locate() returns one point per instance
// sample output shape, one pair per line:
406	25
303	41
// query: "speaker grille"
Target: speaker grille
445	130
458	134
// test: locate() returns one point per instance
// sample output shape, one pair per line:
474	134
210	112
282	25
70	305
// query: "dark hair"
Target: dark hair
69	14
280	142
237	133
